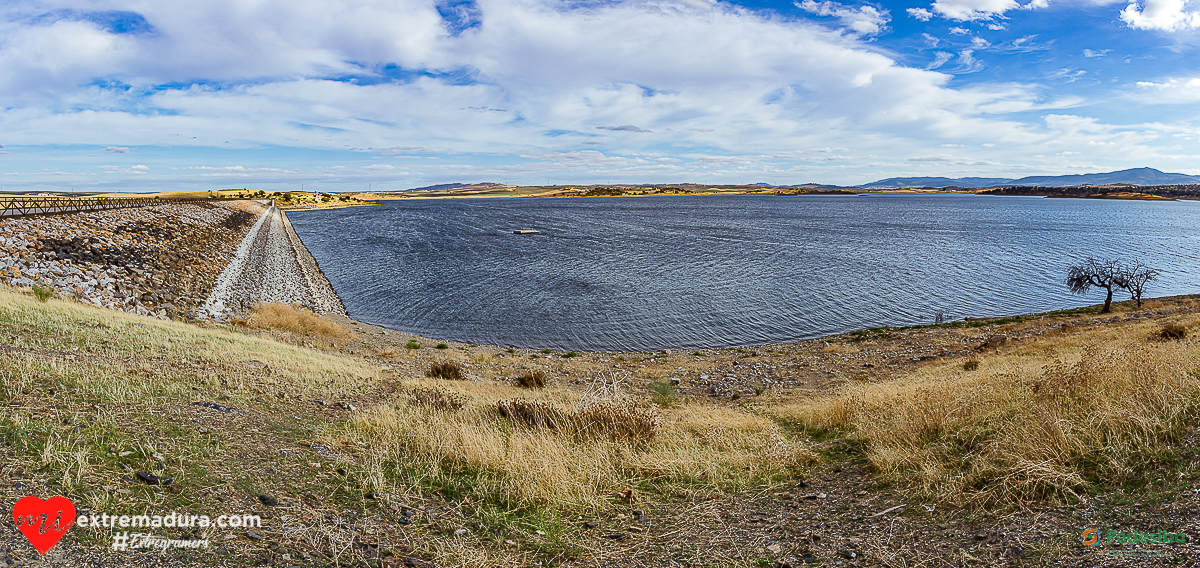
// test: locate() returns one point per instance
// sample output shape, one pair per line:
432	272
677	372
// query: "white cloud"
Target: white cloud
1071	75
117	150
940	59
920	14
138	169
1165	15
970	10
232	169
960	31
1095	52
963	10
1178	90
376	78
863	20
967	62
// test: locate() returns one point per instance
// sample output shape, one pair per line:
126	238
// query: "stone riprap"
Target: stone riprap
161	260
271	265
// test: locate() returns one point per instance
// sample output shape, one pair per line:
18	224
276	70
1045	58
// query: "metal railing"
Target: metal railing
47	205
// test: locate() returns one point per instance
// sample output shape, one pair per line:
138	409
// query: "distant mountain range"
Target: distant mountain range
1135	176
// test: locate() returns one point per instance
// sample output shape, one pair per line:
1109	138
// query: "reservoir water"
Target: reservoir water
707	271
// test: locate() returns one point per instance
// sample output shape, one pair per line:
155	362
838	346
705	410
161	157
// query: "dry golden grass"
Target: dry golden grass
275	315
537	455
1095	411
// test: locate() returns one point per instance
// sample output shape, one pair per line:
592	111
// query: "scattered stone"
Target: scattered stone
218	407
147	478
254	536
616	536
268	501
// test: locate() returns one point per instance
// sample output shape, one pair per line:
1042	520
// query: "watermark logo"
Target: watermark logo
44	522
1090	537
126	541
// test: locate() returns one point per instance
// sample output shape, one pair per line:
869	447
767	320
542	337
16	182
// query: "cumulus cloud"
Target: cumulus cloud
863	20
1164	15
401	78
920	14
971	10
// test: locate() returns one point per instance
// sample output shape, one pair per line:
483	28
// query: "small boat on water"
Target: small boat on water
525	232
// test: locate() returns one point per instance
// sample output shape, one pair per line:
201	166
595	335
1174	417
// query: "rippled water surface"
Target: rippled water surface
657	272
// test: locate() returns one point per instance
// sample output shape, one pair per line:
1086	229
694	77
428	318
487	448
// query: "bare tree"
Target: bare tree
1099	273
1134	279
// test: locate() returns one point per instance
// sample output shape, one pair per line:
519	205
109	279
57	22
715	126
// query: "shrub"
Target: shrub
43	293
510	350
445	370
1173	331
442	346
760	389
412	344
532	380
662	393
569	355
971	365
275	315
546	352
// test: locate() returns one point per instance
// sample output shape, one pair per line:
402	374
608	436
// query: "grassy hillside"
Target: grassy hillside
94	397
360	455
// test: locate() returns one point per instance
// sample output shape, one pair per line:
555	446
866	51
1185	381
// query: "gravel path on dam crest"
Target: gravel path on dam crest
271	265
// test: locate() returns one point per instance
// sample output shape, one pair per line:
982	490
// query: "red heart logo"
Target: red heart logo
33	516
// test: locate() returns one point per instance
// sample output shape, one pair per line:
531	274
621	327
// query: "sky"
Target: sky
329	95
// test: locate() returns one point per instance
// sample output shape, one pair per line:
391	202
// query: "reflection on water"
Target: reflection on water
656	272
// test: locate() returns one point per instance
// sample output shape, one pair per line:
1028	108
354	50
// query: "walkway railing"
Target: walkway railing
46	205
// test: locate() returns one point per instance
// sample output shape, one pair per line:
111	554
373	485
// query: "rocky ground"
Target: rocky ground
161	260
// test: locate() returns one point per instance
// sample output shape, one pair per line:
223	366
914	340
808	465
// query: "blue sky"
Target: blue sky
142	95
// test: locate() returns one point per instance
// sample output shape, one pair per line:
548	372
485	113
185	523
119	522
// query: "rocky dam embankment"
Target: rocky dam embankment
166	260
